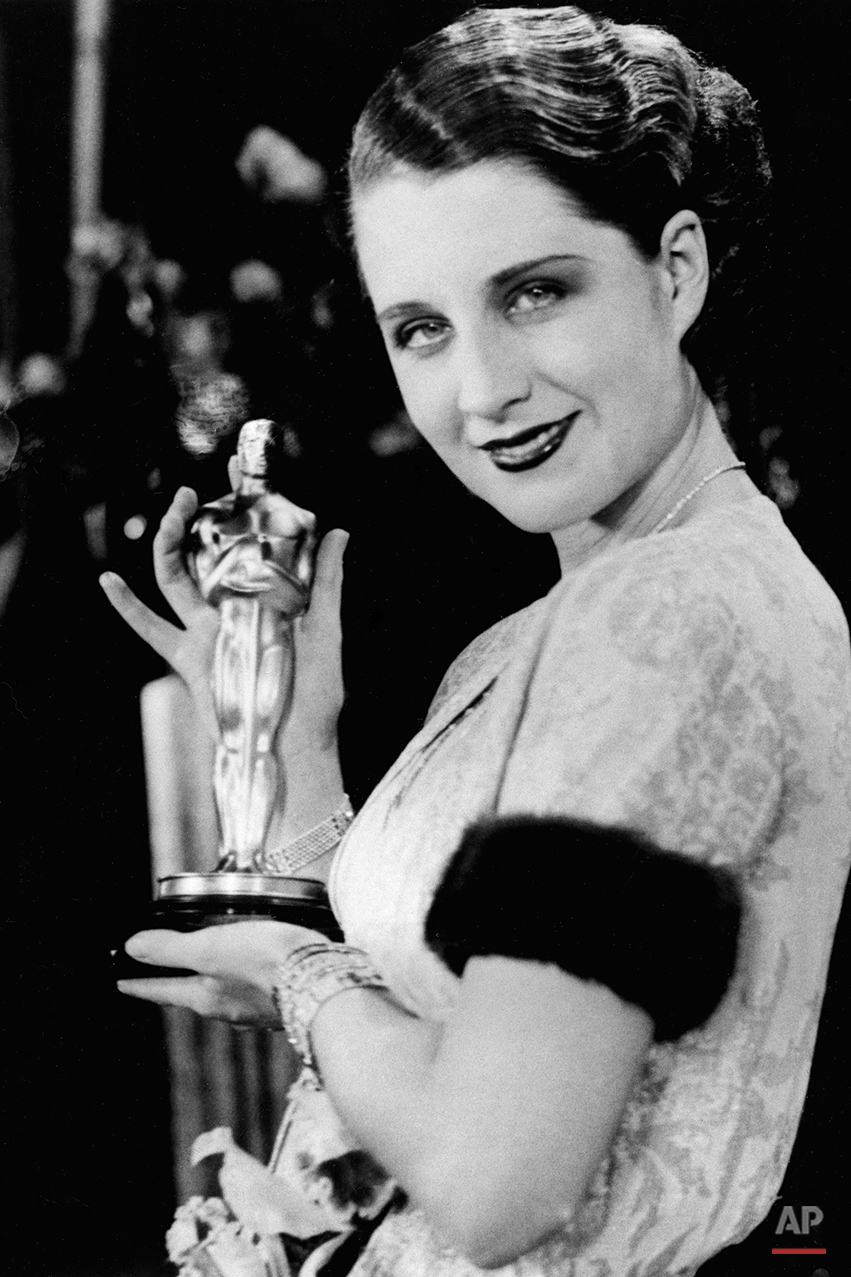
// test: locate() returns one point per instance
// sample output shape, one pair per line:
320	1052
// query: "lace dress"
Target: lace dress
693	686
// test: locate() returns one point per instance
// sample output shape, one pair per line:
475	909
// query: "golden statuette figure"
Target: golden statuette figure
251	555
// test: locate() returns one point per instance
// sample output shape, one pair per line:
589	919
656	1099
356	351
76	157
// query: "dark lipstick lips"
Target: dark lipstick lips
556	432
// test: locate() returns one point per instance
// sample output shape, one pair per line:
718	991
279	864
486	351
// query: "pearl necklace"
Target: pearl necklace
707	478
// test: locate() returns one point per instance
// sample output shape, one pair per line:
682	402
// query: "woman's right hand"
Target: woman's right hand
189	647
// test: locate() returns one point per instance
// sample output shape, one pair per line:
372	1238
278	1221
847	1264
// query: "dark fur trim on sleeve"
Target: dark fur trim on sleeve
657	928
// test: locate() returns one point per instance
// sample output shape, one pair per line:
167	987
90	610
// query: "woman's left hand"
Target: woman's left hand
236	965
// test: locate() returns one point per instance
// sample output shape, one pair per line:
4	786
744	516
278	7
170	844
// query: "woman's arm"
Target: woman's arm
495	1125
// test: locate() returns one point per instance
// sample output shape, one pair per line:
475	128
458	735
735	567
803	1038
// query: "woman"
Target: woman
547	209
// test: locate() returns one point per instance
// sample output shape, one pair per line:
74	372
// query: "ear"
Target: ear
685	262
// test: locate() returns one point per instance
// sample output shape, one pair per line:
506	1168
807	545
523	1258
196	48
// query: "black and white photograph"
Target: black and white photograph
425	678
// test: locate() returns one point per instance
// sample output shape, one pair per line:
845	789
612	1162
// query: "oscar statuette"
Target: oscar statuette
251	555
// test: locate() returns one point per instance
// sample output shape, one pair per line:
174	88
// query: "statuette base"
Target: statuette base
189	901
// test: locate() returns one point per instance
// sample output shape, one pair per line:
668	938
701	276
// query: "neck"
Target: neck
702	449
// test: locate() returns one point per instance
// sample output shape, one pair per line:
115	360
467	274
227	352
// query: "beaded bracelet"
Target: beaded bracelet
309	977
312	844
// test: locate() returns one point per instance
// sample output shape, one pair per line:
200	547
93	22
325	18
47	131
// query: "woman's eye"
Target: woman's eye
534	297
419	335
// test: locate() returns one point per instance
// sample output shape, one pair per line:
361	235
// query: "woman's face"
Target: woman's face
536	350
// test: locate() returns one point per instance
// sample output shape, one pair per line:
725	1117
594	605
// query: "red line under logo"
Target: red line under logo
798	1251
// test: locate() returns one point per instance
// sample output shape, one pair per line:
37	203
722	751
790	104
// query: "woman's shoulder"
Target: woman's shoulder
739	564
734	580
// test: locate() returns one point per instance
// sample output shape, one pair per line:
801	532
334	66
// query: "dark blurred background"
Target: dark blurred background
211	297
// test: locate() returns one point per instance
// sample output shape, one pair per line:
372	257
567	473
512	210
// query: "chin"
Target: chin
528	523
542	501
530	516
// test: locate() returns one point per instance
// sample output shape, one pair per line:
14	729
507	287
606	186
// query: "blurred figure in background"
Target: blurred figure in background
123	397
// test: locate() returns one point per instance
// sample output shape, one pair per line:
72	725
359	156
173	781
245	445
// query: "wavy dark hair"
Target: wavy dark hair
622	117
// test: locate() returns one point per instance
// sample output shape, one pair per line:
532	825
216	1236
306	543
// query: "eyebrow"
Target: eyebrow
402	310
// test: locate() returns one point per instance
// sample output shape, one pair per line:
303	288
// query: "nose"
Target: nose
492	376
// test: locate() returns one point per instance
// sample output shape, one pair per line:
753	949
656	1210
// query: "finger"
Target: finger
161	635
164	949
197	993
170	991
169	558
234	472
168	542
324	609
237	950
205	996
